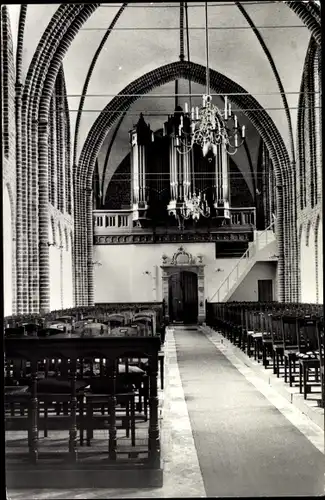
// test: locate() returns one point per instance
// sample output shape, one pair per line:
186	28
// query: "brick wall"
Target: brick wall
9	144
59	203
309	179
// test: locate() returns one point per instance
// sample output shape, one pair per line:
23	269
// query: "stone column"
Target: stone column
44	259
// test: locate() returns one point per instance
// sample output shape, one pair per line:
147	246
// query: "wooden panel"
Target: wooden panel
183	297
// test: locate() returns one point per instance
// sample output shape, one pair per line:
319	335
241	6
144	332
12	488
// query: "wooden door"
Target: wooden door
265	290
190	297
175	298
183	297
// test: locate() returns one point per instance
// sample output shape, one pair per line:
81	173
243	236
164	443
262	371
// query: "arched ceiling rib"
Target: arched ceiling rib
275	72
141	53
131	51
121	145
37	18
13	14
89	75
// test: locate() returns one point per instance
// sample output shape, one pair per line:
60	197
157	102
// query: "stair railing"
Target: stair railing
247	256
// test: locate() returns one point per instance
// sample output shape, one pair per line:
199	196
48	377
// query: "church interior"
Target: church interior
162	227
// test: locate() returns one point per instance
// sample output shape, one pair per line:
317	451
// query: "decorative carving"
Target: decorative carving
182	258
119	239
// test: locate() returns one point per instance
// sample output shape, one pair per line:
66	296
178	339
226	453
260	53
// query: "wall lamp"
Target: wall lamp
95	263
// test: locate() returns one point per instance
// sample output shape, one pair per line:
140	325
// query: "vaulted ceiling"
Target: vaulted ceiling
259	45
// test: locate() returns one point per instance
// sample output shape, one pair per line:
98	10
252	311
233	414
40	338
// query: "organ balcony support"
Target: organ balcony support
222	183
140	138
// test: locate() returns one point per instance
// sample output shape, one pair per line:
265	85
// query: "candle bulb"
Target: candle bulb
229	108
192	113
243	131
236	123
186	107
236	140
197	112
226	107
181	120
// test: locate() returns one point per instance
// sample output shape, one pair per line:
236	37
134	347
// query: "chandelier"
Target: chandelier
208	126
193	207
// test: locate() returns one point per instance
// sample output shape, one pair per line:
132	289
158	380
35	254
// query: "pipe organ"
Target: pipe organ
140	138
221	203
182	172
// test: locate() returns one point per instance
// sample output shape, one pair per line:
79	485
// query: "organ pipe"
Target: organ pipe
140	138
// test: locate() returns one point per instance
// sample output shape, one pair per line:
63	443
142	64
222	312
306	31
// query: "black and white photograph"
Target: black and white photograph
162	250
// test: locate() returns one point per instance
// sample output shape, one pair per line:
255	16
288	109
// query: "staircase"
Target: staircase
263	248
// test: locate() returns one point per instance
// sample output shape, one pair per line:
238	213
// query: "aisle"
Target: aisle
245	446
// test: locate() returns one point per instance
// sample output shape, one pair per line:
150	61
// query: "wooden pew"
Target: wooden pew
83	406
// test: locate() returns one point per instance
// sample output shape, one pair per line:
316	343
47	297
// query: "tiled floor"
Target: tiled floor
208	436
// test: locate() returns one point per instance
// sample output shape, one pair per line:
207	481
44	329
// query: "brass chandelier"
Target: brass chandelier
208	126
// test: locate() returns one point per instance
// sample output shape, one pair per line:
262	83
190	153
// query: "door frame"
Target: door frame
183	261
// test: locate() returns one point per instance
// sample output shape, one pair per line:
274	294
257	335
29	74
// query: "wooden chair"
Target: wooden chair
308	360
267	346
277	342
321	356
289	325
144	324
105	403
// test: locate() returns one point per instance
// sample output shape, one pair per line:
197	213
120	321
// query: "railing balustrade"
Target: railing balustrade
112	221
117	221
261	241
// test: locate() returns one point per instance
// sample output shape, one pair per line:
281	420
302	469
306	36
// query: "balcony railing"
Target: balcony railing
121	221
112	221
243	216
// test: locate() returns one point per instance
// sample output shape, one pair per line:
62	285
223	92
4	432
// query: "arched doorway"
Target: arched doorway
183	297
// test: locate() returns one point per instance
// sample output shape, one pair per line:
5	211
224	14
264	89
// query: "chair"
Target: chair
321	355
115	321
289	327
267	346
106	405
308	359
144	324
277	342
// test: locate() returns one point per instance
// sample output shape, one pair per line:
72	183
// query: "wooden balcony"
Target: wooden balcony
118	227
